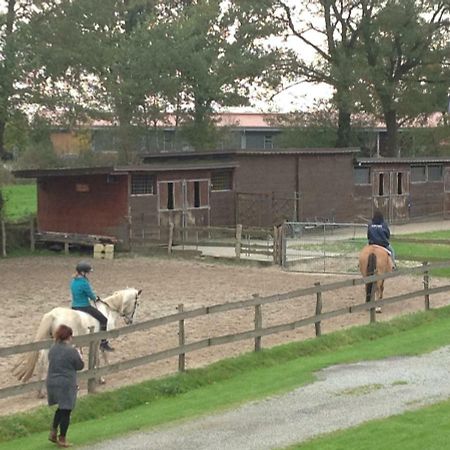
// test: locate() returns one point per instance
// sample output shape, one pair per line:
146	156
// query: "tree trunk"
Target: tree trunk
344	128
390	118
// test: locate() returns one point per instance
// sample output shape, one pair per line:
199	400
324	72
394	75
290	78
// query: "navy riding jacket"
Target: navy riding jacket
379	234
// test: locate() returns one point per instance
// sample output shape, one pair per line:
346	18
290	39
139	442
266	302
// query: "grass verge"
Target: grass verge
426	428
229	382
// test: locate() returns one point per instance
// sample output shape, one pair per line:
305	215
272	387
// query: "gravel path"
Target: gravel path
343	396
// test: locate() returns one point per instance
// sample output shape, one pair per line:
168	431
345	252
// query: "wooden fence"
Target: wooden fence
257	333
246	241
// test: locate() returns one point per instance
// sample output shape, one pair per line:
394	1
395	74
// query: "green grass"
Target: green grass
426	428
20	201
229	382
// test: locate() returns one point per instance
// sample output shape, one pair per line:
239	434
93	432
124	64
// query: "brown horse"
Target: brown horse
374	260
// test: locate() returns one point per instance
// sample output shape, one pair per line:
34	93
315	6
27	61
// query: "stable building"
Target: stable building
249	187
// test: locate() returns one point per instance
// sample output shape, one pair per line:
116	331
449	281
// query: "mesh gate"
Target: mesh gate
322	246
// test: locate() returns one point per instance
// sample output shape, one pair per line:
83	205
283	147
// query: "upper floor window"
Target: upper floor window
361	175
221	180
418	174
435	173
142	184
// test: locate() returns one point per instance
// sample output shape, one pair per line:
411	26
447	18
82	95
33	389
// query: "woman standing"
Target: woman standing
64	361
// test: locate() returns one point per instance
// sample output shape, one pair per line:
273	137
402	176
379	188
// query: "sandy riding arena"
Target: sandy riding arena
32	286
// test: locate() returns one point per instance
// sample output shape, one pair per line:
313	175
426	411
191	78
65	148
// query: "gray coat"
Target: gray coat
63	363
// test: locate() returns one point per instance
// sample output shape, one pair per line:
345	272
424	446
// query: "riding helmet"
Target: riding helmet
83	267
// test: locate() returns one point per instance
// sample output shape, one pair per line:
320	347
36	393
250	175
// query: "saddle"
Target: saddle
384	248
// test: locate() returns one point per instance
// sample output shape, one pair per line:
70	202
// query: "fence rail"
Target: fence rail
256	333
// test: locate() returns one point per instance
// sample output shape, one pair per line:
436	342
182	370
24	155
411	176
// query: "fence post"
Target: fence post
181	341
32	241
169	245
91	362
258	324
426	285
3	237
275	245
238	241
318	310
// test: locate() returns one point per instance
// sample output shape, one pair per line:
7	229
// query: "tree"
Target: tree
331	28
218	55
406	46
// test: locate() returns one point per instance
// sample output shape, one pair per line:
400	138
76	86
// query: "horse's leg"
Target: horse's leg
380	288
41	370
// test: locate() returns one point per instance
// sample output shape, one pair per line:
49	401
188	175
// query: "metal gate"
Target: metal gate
326	247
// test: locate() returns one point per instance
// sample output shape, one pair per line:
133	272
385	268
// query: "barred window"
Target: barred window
222	180
142	184
435	173
418	174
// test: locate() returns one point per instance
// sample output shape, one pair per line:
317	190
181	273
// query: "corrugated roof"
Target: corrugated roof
422	160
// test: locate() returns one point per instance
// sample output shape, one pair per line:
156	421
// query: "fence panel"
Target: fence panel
322	246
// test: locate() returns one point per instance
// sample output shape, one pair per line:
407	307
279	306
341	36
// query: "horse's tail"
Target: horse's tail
371	268
25	367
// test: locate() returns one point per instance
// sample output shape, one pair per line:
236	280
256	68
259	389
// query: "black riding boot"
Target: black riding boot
104	345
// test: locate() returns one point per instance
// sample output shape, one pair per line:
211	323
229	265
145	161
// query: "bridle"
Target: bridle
128	319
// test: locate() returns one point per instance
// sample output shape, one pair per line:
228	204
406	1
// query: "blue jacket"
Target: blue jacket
81	292
379	234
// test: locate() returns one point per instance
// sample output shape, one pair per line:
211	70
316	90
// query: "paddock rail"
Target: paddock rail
256	333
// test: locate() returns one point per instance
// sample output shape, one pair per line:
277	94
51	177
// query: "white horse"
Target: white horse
121	304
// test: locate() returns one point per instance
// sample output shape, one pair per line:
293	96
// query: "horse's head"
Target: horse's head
127	301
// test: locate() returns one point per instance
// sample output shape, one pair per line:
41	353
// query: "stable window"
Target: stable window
170	198
196	194
435	173
361	175
142	184
418	174
399	183
381	184
221	180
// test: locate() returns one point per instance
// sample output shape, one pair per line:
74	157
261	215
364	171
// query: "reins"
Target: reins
128	319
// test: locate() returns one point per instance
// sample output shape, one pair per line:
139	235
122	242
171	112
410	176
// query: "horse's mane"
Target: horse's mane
117	299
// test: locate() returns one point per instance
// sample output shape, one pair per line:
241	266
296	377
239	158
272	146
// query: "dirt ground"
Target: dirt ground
34	285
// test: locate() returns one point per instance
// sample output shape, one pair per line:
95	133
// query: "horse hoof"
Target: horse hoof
378	310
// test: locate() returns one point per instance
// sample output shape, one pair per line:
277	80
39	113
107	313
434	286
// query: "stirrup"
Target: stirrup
106	347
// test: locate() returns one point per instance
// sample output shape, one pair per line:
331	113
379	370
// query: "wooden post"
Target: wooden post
32	241
91	362
283	245
169	246
426	285
181	341
258	324
275	245
66	247
318	310
238	241
3	238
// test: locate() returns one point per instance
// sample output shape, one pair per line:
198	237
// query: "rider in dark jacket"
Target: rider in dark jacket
378	233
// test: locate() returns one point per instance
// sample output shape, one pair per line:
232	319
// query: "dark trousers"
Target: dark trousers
61	419
94	312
